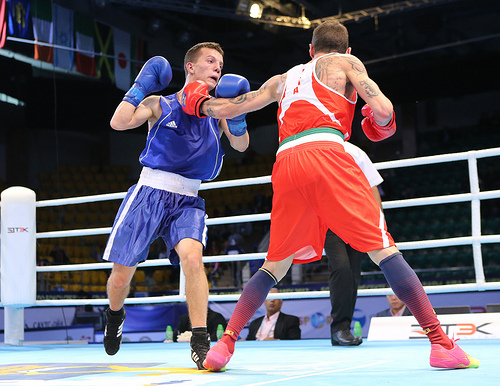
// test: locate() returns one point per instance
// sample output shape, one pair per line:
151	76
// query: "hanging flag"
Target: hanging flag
104	38
84	36
63	36
19	18
43	30
122	59
3	23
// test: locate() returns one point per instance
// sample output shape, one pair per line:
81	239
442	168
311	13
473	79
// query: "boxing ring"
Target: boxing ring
256	365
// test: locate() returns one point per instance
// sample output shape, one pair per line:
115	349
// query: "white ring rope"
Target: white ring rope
475	196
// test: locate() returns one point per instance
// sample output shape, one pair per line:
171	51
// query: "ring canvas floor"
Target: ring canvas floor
302	362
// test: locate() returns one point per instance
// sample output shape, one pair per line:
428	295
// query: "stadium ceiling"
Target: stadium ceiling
414	49
438	40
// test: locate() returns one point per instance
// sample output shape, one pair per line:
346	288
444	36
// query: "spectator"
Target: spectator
275	324
397	308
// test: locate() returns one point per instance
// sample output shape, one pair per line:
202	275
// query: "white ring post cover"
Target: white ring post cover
18	227
18	261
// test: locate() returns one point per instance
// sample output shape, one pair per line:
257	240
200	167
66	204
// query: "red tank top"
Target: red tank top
307	103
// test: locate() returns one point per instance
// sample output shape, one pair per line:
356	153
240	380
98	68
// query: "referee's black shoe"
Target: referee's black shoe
113	331
345	338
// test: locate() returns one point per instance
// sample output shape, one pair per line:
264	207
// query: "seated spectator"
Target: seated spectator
397	307
213	321
275	324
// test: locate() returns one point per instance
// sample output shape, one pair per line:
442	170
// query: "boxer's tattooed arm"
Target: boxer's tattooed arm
369	88
236	100
356	74
266	94
357	67
242	98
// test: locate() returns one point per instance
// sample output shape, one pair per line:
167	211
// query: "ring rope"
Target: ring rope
475	240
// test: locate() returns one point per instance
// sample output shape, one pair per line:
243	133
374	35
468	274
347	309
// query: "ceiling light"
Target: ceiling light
256	10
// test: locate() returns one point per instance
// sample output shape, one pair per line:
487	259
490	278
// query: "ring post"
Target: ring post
18	262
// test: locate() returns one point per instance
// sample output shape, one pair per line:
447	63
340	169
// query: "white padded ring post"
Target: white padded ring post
18	227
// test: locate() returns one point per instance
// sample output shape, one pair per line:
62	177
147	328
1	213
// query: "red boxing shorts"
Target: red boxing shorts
318	186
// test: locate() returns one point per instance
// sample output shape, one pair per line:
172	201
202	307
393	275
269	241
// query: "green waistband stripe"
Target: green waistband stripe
316	130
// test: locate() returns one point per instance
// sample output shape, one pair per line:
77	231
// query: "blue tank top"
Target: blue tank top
183	144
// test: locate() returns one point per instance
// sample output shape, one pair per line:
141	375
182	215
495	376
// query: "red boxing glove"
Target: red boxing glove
372	129
193	96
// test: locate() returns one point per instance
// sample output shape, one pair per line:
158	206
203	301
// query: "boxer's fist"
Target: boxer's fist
372	129
230	86
154	76
193	96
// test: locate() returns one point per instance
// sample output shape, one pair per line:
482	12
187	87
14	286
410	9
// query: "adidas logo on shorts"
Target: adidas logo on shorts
172	124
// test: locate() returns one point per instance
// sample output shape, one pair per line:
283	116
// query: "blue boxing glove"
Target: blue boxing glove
154	76
230	86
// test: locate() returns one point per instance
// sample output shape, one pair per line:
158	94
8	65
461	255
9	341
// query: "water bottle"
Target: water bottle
220	331
358	332
169	335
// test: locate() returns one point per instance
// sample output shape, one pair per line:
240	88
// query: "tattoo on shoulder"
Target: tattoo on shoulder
356	66
369	89
324	65
329	71
321	70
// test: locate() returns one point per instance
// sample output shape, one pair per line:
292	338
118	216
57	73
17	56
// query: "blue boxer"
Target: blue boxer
180	152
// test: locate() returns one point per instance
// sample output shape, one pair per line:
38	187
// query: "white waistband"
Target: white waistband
311	138
172	182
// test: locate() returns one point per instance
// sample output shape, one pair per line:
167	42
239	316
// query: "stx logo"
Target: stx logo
463	329
17	230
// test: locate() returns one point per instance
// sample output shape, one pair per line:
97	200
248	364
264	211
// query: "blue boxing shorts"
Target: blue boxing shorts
148	212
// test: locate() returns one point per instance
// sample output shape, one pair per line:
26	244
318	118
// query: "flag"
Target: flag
19	18
43	30
3	23
104	37
122	59
84	35
63	36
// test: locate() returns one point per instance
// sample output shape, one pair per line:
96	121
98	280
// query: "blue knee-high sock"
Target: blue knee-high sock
252	297
408	288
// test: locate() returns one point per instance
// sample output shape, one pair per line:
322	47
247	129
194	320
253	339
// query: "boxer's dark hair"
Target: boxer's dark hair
330	36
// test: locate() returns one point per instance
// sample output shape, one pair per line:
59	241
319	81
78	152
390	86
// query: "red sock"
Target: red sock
438	336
